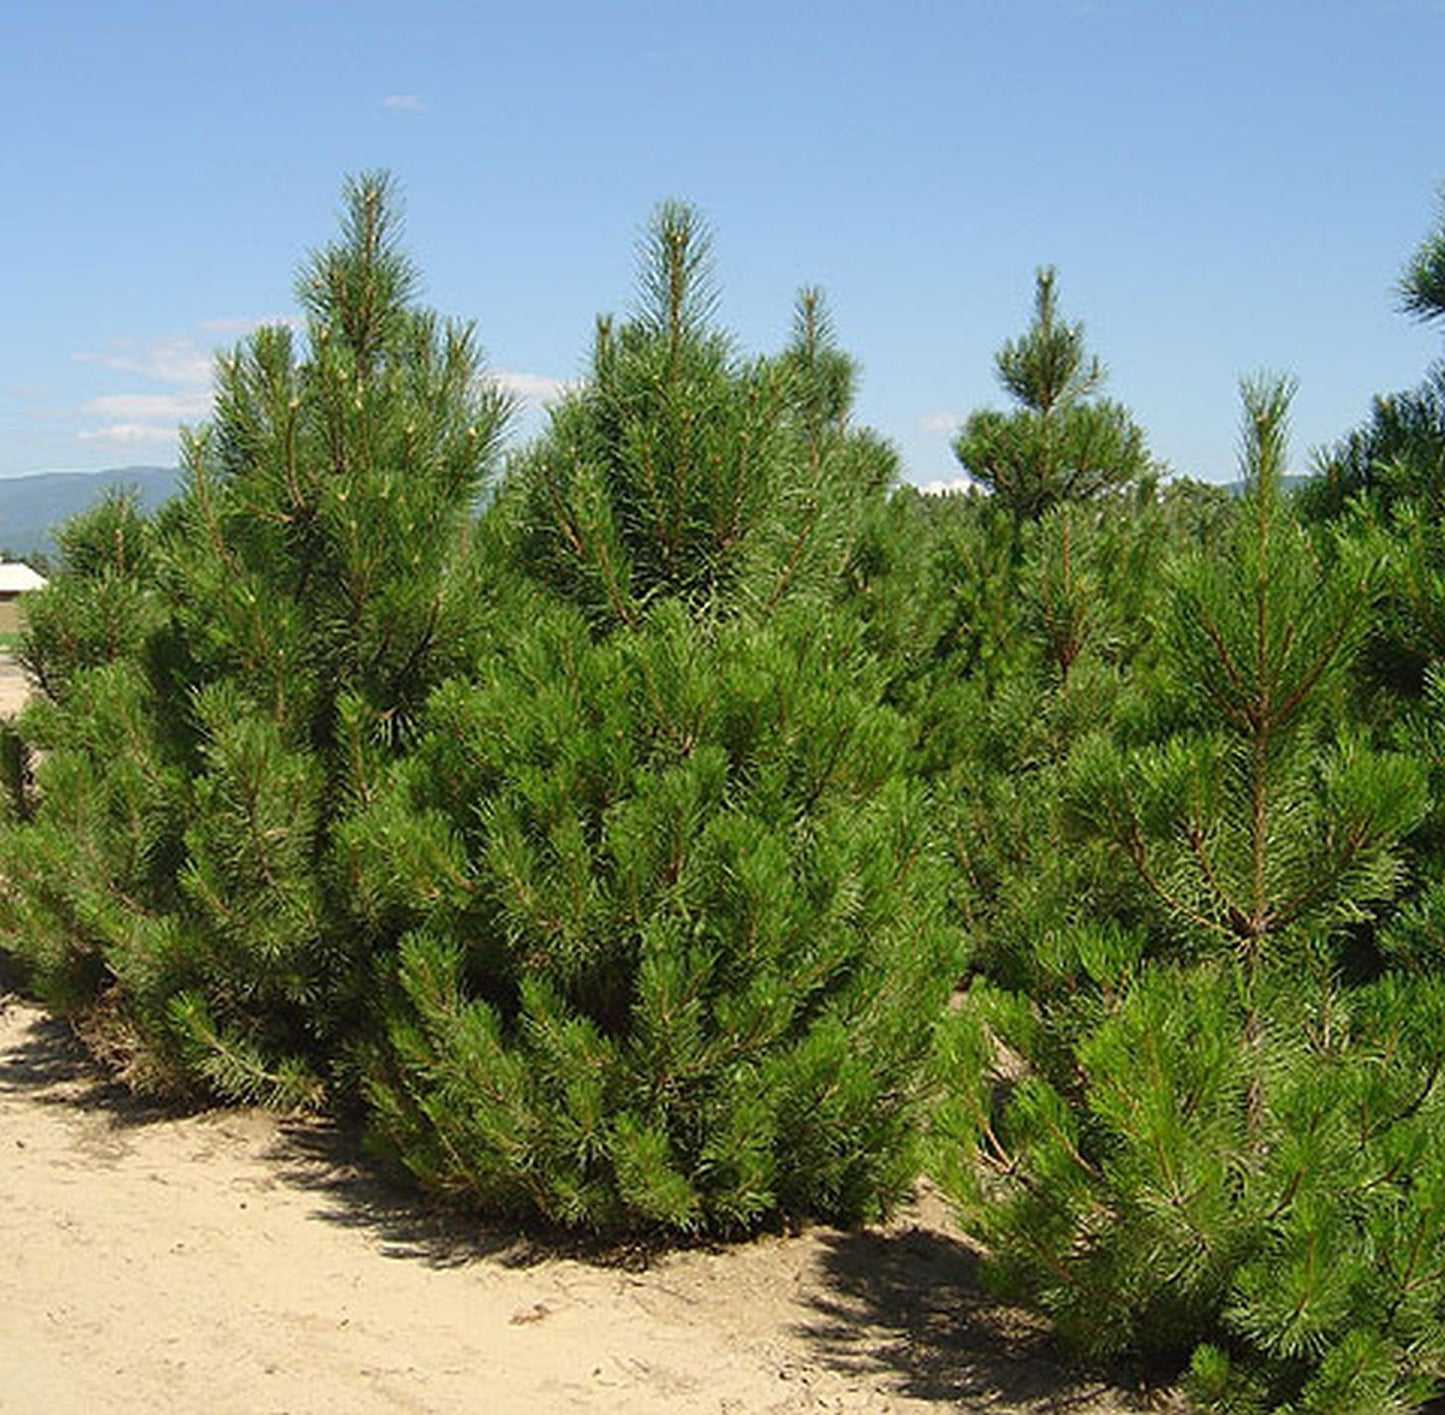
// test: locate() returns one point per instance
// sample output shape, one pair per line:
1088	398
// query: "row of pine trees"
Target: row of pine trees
678	825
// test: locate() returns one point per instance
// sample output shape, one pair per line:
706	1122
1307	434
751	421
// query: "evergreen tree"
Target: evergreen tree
219	687
1006	644
1386	480
669	907
679	468
671	943
1210	1125
1062	443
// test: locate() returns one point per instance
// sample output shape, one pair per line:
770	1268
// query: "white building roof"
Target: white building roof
15	578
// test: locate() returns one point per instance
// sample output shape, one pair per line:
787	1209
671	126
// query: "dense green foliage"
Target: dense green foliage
684	827
575	841
216	686
1201	1106
670	910
680	469
672	943
1192	1094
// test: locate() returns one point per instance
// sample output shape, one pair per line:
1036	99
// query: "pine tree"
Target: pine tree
1007	643
681	469
1194	1134
668	904
219	687
671	948
1062	443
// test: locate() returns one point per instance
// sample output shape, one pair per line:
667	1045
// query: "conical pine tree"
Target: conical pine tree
300	599
669	906
1061	443
1196	1136
680	469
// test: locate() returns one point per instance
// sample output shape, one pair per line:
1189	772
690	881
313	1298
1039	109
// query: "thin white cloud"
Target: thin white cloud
150	405
237	325
535	390
179	363
130	435
179	358
175	359
942	422
404	103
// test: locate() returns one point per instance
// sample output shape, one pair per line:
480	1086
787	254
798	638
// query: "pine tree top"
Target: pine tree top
1047	368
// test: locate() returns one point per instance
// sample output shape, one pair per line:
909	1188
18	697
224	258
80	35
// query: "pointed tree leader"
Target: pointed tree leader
1061	443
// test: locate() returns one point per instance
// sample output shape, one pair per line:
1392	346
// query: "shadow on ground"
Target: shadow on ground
330	1161
910	1301
47	1064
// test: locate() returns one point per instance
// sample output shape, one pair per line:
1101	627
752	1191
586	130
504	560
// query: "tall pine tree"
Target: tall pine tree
1216	1128
219	687
669	907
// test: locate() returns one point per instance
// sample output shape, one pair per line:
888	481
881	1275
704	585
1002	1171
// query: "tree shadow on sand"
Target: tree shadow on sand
47	1064
905	1301
43	1061
330	1160
910	1300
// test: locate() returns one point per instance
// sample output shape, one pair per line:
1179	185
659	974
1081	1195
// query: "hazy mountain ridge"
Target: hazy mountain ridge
1289	482
32	507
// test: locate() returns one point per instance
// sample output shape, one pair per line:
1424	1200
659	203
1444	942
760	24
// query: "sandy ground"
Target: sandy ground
13	688
234	1262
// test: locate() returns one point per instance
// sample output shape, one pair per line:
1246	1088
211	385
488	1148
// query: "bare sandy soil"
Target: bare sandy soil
13	687
233	1262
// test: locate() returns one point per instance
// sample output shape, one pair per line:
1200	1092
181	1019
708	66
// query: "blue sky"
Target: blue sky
1224	187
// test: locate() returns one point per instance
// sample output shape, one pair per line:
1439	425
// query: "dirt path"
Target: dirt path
228	1262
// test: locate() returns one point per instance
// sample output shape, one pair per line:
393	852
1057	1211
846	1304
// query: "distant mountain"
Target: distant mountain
32	507
1290	481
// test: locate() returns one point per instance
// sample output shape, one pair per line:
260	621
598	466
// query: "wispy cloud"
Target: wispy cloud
535	390
129	435
234	326
175	359
179	363
942	422
150	405
404	103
